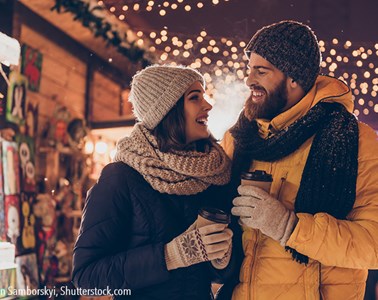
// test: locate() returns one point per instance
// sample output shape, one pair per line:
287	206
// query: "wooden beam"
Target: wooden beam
111	124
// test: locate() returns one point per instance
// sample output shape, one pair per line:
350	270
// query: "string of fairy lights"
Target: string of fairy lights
163	7
222	59
357	65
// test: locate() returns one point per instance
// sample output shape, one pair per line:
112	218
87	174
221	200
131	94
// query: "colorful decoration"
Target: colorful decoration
27	272
2	204
57	127
10	168
3	99
64	258
28	241
31	66
77	131
16	99
12	219
44	210
7	279
31	120
26	154
2	218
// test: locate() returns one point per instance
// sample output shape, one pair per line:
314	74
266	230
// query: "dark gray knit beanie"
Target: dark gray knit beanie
292	48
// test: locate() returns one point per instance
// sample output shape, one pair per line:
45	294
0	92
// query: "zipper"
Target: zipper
320	278
283	180
253	264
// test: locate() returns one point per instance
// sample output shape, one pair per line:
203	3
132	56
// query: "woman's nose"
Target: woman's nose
206	105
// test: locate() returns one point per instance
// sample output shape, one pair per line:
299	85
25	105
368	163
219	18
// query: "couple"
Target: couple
314	236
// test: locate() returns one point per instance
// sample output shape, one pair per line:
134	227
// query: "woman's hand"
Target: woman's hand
207	243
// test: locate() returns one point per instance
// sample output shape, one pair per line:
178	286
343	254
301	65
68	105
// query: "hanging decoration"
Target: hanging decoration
56	130
31	66
9	55
16	101
27	273
10	161
2	215
9	50
27	232
12	218
44	210
77	131
31	120
26	153
101	23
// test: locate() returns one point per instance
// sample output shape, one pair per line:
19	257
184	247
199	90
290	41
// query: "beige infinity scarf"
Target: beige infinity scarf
173	172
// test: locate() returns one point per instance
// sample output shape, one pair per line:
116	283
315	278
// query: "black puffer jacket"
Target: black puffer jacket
124	228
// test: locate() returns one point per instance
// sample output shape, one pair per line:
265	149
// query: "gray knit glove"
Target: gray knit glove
199	245
257	209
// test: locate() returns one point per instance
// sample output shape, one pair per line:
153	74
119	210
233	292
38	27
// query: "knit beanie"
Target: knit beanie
291	47
157	88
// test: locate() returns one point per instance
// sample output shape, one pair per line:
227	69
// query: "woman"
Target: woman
138	230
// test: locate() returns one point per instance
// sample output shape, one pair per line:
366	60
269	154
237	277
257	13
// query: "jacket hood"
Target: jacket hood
325	89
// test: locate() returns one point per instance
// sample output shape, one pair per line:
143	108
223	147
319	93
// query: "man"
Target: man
315	235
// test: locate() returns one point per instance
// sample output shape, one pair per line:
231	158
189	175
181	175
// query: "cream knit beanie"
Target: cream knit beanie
157	88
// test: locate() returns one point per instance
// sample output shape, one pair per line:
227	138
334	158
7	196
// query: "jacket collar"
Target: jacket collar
325	89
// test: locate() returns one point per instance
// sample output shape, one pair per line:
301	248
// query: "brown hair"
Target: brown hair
170	132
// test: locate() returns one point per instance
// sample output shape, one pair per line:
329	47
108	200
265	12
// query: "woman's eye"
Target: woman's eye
194	97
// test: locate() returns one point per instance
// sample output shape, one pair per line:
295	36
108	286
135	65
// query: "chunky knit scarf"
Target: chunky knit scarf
174	172
328	181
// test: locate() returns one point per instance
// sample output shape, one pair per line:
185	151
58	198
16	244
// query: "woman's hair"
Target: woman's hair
170	132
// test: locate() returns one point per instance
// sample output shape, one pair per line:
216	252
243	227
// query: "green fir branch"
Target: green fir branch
90	18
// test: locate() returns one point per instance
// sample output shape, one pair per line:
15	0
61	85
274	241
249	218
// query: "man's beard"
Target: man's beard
270	107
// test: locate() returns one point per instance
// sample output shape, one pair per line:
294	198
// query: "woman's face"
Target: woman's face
196	110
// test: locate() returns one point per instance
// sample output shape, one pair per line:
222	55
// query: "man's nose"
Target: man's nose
250	79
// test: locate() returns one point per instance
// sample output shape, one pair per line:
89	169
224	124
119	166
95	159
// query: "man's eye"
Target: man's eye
260	72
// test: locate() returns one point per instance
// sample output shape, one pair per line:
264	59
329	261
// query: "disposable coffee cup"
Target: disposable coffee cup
210	215
257	178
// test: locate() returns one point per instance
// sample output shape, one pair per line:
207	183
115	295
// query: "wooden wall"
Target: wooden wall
72	75
106	98
63	77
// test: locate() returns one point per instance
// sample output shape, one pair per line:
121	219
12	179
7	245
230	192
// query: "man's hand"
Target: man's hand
257	209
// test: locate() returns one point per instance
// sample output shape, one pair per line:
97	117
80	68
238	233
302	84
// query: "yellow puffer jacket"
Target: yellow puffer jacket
340	251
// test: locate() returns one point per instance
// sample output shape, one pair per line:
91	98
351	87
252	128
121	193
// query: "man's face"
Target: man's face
268	96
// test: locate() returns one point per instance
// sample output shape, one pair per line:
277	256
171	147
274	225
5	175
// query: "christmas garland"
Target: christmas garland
106	25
